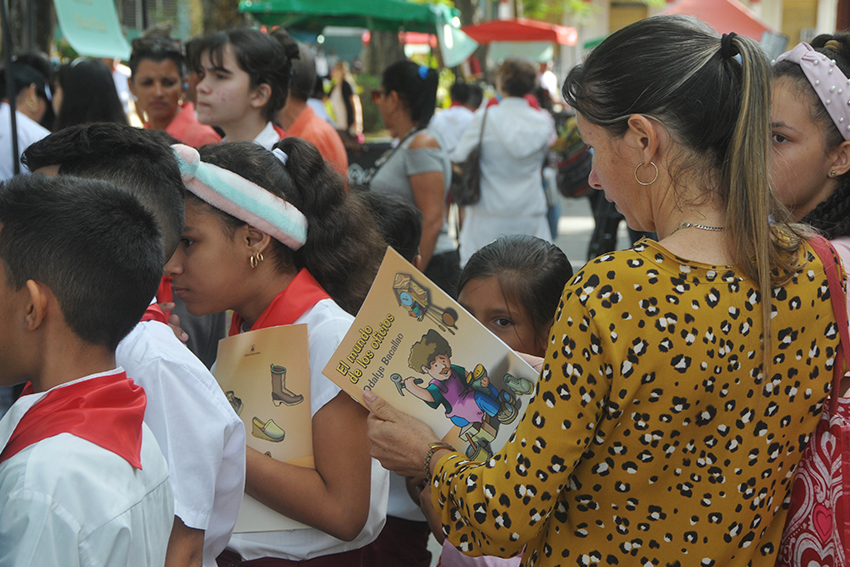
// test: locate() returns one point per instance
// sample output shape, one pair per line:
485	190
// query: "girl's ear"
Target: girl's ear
256	240
261	95
841	159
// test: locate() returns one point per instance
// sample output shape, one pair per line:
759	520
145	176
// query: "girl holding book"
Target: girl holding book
276	238
512	286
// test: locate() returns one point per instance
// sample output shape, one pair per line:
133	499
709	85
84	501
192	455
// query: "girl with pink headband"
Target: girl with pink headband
810	136
276	238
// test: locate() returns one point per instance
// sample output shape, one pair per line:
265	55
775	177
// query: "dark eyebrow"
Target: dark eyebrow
220	69
498	312
780	125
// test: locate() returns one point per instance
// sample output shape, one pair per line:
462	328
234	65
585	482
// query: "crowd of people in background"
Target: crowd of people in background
201	191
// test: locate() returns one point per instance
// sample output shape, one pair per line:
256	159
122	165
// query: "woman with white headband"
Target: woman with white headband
810	136
276	238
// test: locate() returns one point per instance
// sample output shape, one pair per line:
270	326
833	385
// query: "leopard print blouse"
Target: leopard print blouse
652	437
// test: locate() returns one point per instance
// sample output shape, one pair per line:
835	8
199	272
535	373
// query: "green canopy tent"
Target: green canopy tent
382	15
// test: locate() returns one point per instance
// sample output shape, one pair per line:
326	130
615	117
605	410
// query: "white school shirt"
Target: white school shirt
201	437
267	137
327	324
451	123
29	132
65	501
400	504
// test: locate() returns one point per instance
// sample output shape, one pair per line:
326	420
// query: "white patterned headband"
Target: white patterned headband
830	84
241	198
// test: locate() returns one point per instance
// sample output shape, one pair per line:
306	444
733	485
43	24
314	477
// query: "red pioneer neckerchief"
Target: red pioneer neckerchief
165	293
154	313
107	411
301	294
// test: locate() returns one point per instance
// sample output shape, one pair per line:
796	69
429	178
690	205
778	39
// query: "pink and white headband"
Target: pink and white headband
241	198
830	84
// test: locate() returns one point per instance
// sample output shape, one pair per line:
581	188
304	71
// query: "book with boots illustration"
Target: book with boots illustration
417	348
265	375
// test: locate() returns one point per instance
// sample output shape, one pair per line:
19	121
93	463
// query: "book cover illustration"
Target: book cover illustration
265	375
417	348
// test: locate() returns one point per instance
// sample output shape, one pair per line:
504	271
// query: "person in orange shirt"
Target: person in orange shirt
299	120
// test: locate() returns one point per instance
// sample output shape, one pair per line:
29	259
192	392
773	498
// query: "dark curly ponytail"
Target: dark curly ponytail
343	249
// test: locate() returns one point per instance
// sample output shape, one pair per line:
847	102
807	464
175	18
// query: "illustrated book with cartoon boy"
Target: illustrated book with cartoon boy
265	375
417	348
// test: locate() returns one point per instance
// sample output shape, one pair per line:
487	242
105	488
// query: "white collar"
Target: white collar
268	137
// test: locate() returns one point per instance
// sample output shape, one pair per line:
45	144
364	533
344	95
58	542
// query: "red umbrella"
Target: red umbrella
521	29
723	15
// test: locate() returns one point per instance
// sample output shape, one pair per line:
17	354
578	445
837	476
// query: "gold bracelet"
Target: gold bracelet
433	448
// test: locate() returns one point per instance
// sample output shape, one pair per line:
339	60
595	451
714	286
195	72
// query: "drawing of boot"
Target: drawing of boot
474	378
268	431
521	386
235	402
280	394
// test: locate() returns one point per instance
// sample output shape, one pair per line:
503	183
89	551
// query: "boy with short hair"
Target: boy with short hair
202	438
82	479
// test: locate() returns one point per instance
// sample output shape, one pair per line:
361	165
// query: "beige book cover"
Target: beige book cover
417	348
265	374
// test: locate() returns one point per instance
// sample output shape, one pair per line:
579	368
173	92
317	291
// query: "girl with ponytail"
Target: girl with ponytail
418	169
681	375
276	237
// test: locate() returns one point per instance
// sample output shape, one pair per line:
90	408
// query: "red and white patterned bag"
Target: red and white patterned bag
817	530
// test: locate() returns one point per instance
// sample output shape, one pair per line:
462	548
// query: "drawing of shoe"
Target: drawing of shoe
474	378
268	431
235	402
521	386
280	394
507	407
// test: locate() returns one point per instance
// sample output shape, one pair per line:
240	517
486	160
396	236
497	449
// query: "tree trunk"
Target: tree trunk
384	48
220	15
468	11
842	15
32	23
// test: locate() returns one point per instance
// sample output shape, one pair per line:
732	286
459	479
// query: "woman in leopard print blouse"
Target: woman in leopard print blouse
661	431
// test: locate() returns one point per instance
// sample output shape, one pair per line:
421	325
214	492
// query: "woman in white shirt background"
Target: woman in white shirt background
514	144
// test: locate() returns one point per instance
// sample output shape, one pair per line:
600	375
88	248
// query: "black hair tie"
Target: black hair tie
727	48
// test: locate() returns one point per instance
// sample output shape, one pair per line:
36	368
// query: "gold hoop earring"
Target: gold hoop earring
640	165
255	260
